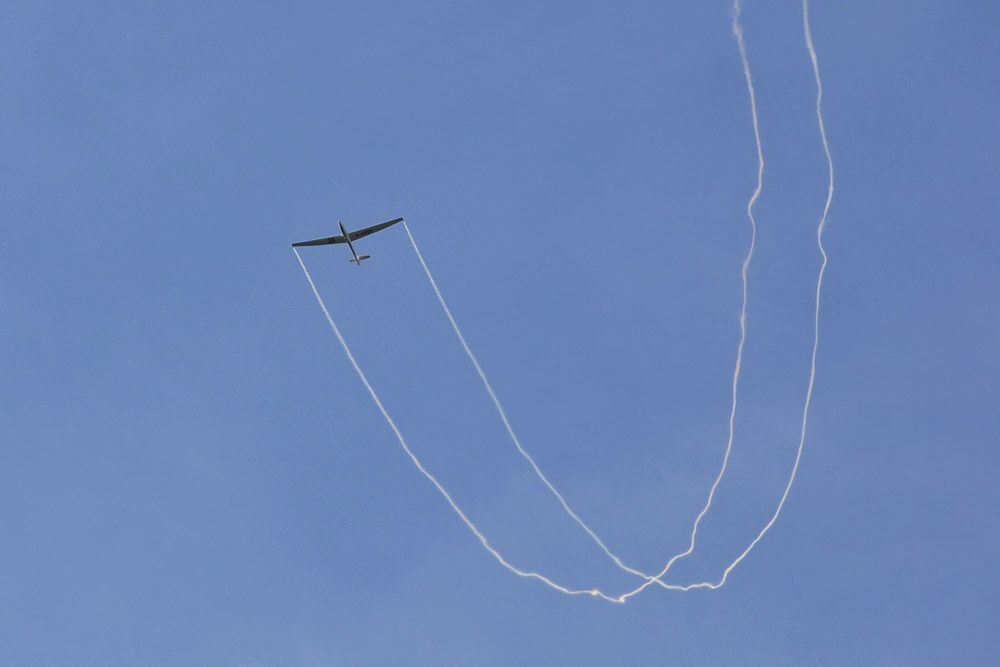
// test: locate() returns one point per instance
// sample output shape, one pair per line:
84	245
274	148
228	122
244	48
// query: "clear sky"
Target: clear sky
191	474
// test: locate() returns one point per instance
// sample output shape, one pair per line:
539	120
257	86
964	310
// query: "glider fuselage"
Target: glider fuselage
347	237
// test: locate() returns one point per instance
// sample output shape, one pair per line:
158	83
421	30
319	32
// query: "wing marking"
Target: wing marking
327	241
361	233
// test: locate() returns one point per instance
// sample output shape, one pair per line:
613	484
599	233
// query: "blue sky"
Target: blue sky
192	475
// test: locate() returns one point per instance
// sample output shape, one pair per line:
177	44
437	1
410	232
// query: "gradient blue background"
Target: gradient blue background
190	473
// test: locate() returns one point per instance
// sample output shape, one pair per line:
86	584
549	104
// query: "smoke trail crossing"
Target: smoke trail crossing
737	28
744	278
815	347
819	289
657	579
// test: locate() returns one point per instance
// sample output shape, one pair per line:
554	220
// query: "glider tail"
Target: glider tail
359	259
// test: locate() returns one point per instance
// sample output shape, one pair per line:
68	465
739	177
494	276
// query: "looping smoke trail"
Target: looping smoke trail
815	347
420	466
738	33
819	288
737	28
624	597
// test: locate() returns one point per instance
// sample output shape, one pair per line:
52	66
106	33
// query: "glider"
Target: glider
348	238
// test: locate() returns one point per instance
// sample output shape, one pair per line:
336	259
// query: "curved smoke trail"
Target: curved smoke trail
503	414
744	278
420	466
751	91
815	347
624	597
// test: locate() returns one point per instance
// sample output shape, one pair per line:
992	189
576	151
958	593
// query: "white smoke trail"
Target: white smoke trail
503	414
624	597
819	288
738	32
815	347
420	466
737	28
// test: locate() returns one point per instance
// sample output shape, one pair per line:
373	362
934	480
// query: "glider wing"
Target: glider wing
326	241
361	233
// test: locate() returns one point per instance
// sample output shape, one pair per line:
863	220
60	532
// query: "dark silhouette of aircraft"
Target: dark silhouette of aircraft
349	238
